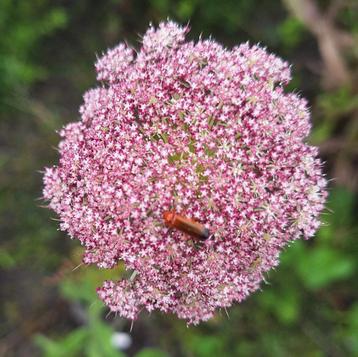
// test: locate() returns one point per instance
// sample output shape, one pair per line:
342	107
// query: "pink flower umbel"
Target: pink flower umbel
194	129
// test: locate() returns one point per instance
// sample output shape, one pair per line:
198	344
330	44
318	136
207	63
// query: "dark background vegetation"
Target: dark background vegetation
47	50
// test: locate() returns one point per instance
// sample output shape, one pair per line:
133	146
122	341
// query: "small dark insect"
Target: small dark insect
136	116
186	225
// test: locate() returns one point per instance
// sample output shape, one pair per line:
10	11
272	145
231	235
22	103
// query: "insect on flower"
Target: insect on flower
186	225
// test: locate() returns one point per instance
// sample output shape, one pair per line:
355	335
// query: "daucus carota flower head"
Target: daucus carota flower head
201	130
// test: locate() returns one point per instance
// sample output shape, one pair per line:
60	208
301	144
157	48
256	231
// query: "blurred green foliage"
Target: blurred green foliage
47	49
94	337
23	24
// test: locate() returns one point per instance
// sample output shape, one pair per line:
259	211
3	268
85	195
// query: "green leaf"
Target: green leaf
70	345
6	260
291	32
323	266
283	302
341	204
206	346
151	352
